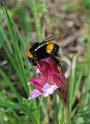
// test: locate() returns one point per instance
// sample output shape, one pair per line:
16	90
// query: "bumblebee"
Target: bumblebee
47	48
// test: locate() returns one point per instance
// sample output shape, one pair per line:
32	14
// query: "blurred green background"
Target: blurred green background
23	22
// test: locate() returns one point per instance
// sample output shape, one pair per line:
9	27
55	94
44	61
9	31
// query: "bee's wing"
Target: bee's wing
51	37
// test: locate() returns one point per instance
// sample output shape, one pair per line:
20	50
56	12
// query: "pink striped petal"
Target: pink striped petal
35	93
49	89
38	83
44	68
53	65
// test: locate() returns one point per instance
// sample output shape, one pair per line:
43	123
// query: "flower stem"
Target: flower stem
67	113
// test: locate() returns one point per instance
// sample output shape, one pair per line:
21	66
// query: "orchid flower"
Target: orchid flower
52	79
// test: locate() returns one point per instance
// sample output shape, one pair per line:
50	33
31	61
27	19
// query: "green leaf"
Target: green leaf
17	51
62	119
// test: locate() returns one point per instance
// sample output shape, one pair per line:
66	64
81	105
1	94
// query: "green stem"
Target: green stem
66	106
67	113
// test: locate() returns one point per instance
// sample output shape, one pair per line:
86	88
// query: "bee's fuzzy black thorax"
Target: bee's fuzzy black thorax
43	50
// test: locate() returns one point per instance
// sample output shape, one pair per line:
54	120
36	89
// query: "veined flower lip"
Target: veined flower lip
51	79
47	90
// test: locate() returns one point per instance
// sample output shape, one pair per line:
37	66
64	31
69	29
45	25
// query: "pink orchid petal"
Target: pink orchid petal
38	71
53	65
38	80
54	78
44	68
48	89
62	77
38	83
50	77
57	80
35	93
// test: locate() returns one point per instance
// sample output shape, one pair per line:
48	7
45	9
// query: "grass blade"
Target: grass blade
10	84
17	51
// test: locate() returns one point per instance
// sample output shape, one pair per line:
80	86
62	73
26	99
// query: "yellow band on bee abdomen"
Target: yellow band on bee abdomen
49	47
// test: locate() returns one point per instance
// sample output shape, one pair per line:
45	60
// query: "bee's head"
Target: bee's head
33	61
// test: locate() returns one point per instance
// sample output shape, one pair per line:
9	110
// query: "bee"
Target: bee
47	48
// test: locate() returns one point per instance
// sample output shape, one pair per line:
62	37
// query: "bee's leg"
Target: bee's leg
55	60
